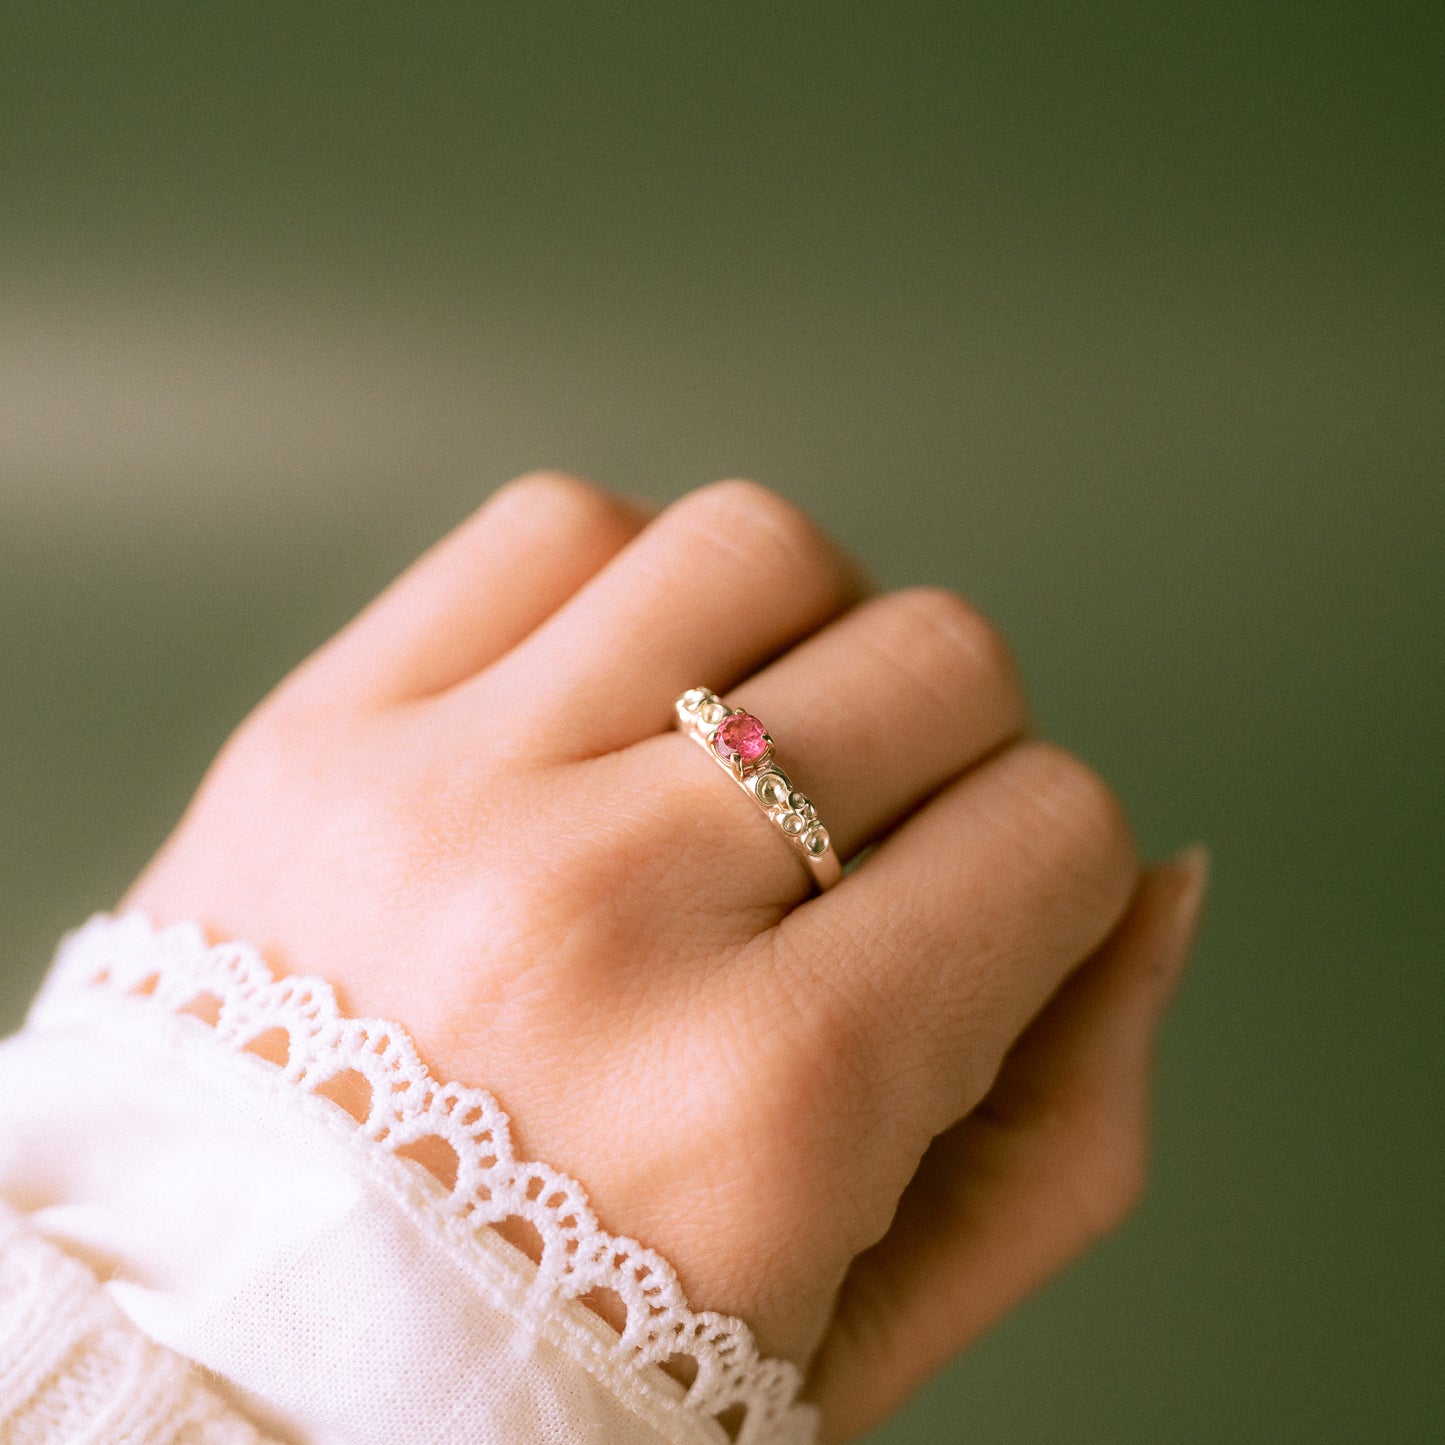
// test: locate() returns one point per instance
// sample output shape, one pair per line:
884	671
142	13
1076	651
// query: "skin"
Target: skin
868	1122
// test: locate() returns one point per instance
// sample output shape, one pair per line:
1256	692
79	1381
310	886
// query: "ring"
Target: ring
738	743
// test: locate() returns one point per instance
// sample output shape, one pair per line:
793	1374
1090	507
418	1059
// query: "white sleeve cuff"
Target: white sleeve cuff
74	1368
163	1118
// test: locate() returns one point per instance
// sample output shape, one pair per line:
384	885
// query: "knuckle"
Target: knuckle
811	1036
952	635
745	515
555	493
830	1049
1085	815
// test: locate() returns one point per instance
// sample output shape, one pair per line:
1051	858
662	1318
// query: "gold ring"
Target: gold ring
739	744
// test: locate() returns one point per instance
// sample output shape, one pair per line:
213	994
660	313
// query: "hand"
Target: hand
469	812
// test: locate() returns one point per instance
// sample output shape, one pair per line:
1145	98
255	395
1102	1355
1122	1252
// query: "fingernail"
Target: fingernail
1190	871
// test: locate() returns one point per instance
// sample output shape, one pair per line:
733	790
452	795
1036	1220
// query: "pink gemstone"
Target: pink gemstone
740	736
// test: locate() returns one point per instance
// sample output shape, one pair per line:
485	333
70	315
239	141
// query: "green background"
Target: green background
1126	321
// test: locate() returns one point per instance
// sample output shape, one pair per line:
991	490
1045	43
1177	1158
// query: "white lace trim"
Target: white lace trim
229	988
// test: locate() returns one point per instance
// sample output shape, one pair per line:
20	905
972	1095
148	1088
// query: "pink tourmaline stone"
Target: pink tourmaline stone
740	736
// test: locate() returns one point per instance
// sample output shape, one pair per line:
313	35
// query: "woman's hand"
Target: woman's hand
469	812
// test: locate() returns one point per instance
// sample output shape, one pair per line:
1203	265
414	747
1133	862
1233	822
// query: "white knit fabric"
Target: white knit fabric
164	1117
75	1369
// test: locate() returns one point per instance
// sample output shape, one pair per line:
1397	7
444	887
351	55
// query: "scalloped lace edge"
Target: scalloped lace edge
229	989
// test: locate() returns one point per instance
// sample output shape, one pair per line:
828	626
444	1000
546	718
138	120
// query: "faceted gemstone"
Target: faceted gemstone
740	736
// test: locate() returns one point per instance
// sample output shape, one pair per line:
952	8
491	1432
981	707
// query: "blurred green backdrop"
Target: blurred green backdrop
1125	320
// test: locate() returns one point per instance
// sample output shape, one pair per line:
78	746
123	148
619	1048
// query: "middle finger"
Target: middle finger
879	710
870	716
721	582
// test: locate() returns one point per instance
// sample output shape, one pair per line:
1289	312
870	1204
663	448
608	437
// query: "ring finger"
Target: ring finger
871	716
881	709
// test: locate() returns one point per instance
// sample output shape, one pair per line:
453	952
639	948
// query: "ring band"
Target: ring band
737	742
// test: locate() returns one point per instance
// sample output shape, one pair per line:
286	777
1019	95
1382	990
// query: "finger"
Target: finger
721	582
931	957
481	589
882	707
1051	1160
